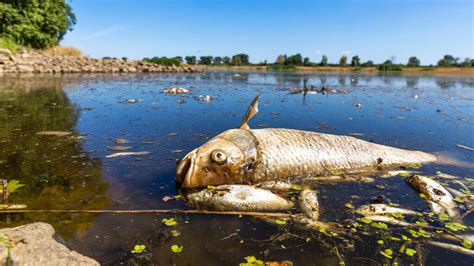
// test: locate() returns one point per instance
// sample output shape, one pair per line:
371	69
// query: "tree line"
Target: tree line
298	60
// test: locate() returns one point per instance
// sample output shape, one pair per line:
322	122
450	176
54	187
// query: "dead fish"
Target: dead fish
439	198
256	155
54	133
238	198
308	202
451	247
380	209
175	90
131	153
390	220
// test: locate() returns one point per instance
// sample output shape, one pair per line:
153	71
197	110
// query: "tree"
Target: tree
413	62
190	60
178	59
217	60
324	61
296	60
35	23
240	59
467	62
369	63
205	60
226	60
306	61
447	61
355	61
343	60
280	60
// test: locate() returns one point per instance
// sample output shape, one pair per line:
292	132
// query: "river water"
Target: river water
428	113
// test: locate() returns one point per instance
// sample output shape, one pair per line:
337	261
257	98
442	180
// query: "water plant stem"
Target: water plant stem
151	211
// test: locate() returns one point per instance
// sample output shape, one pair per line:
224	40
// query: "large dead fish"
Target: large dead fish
254	155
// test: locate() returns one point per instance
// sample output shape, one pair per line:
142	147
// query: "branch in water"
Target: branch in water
173	211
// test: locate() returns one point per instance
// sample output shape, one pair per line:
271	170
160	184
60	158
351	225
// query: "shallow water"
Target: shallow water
427	113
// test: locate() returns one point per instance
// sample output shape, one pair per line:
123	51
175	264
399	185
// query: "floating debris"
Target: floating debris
206	98
358	105
54	133
119	148
118	154
465	147
122	141
131	101
175	90
355	134
176	151
12	206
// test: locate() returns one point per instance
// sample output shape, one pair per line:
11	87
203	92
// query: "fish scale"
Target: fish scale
288	152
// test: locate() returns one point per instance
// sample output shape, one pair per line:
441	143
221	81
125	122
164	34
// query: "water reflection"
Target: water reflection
56	171
67	172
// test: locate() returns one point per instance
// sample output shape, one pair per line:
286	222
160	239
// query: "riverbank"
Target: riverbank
337	69
40	62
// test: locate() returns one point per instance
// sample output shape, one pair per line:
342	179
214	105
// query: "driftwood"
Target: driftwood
171	211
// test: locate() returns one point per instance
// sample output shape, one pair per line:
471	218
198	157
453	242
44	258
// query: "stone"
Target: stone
33	244
5	51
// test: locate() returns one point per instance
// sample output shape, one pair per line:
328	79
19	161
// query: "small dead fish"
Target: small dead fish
440	200
54	133
308	201
137	153
238	198
390	220
119	148
451	247
380	209
175	90
398	173
465	147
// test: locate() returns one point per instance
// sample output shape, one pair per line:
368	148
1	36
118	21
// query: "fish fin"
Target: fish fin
251	112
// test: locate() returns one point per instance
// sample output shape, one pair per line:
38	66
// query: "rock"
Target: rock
33	244
5	51
38	62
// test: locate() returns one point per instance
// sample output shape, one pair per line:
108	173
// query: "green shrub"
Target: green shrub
9	44
281	67
163	61
35	23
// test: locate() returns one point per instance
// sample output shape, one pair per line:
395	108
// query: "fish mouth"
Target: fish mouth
185	171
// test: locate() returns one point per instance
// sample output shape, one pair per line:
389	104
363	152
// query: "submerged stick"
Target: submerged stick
172	211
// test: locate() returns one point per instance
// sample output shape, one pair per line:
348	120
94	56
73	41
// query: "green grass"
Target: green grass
9	44
281	67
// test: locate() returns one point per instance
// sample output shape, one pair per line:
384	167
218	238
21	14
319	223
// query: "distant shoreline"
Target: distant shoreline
337	69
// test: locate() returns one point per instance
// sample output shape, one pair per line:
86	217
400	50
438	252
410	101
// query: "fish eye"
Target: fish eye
219	157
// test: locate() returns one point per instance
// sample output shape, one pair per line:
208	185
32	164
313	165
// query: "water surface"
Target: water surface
428	113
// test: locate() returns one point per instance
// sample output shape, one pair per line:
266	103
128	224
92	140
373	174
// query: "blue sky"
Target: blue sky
376	30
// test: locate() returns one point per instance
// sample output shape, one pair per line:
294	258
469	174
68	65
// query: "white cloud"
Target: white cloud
102	33
346	52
